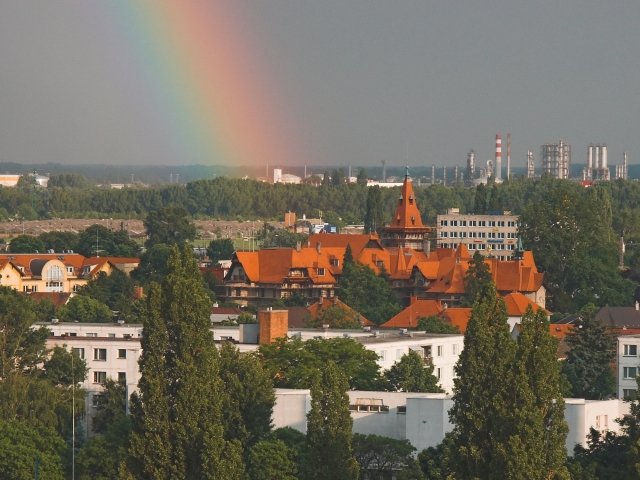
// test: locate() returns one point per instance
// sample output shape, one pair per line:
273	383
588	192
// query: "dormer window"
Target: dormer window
70	270
401	199
321	272
410	199
335	262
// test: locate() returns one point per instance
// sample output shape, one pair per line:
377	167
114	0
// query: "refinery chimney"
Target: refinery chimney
530	165
498	162
471	165
508	156
433	174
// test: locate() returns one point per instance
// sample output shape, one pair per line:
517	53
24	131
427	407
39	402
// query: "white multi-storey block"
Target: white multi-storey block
496	232
628	365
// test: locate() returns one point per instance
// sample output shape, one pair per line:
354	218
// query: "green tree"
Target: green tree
606	457
374	216
67	180
293	363
542	429
25	212
437	462
433	324
591	352
103	456
348	257
481	402
220	249
272	460
177	430
111	406
114	290
411	374
85	309
26	244
99	240
337	177
496	203
59	241
20	444
170	226
248	403
27	182
384	457
362	178
153	264
480	200
281	237
326	179
477	277
329	427
367	293
58	368
336	316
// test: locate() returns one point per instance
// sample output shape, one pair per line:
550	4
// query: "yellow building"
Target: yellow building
53	272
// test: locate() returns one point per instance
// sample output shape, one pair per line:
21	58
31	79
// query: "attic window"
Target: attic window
379	263
413	219
321	272
401	199
410	199
335	262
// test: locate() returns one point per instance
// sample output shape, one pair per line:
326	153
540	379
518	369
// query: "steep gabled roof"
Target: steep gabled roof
357	242
517	304
407	215
408	318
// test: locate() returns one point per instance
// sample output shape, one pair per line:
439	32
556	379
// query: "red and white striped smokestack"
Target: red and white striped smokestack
508	155
498	166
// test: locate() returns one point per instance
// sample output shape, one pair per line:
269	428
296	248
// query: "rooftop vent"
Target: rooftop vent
403	331
51	251
54	320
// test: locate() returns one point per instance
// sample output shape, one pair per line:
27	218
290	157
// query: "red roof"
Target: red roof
335	301
517	304
408	318
458	317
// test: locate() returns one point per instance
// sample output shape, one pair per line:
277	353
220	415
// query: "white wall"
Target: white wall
581	415
623	384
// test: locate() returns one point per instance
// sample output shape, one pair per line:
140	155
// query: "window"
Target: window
54	272
53	286
92	334
472	223
501	223
453	372
335	262
70	270
454	234
444	234
399	354
482	246
25	288
511	235
463	223
71	334
372	405
472	246
76	287
630	350
111	335
629	393
492	235
511	224
99	377
122	377
454	223
472	234
439	373
100	354
463	234
383	355
500	235
440	349
79	352
95	400
122	353
455	349
402	409
492	223
602	422
379	263
443	223
321	272
630	372
482	235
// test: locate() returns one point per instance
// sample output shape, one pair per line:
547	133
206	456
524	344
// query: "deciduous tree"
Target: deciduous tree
410	374
169	225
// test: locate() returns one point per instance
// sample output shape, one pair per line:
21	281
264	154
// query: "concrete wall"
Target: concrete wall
428	420
581	415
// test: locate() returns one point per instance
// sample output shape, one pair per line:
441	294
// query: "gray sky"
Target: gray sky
356	81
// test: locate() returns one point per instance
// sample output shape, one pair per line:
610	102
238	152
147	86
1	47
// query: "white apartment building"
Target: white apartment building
423	418
628	365
495	233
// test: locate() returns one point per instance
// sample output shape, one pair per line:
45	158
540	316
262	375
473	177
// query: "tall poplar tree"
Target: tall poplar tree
177	427
481	402
329	427
537	363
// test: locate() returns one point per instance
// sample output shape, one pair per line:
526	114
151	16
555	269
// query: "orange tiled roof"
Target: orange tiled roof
560	330
331	240
335	301
517	304
408	318
57	298
458	317
32	263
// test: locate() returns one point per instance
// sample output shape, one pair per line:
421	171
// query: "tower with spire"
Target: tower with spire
406	229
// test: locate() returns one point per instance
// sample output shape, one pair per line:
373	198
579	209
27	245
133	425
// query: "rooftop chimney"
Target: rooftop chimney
637	306
318	248
273	324
298	246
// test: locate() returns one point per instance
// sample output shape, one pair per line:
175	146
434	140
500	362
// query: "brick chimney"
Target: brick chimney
318	248
414	299
273	324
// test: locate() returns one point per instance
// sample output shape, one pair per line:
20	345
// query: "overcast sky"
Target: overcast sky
358	81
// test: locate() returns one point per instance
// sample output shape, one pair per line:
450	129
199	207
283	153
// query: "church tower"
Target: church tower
406	229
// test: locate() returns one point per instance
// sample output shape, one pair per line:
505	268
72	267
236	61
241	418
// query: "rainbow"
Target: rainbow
207	83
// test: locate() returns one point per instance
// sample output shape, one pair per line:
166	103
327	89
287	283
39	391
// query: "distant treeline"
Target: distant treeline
229	198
